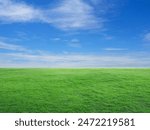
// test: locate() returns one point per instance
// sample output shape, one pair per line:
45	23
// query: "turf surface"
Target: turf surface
74	90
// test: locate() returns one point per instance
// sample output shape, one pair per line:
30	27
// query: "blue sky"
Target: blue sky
74	33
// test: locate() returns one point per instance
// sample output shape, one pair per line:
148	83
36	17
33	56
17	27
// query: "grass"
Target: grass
75	90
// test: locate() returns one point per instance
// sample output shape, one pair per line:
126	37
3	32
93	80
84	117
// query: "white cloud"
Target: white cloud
74	40
37	58
115	49
11	11
72	60
107	36
13	47
68	14
74	14
147	37
74	43
56	39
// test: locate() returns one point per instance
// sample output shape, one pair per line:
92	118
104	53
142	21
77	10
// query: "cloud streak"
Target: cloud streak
72	60
23	57
147	37
12	47
115	49
75	43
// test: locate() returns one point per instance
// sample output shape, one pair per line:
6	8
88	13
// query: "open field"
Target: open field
74	90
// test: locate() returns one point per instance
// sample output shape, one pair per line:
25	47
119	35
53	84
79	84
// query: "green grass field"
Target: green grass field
74	90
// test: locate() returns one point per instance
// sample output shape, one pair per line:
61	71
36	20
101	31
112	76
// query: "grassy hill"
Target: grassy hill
75	90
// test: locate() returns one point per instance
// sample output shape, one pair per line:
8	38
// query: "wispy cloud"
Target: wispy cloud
12	47
74	43
12	11
9	39
107	37
74	14
147	37
72	60
115	49
75	40
56	39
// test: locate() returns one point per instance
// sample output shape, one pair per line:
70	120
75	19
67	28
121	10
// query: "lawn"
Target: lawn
74	90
